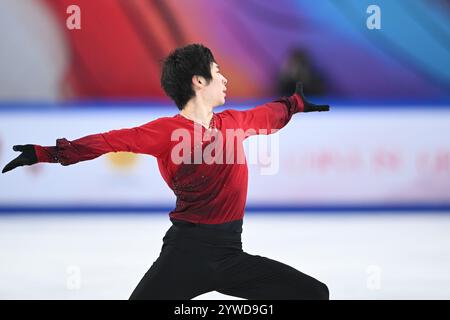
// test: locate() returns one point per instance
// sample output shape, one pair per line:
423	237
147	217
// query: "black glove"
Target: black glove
26	158
309	107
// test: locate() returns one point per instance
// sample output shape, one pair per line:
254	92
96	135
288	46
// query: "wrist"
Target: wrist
300	104
45	154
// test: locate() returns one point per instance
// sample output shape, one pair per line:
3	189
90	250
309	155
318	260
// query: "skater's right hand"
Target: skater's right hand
26	158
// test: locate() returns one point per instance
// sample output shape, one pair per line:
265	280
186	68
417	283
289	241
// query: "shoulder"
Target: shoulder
230	114
159	128
230	118
163	122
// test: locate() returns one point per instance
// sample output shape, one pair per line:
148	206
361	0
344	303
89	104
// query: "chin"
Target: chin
219	103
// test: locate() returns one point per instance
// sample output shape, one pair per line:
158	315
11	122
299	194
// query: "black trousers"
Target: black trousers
196	259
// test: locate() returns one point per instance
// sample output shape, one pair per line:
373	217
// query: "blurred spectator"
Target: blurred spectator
298	67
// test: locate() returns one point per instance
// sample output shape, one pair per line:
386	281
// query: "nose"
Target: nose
225	81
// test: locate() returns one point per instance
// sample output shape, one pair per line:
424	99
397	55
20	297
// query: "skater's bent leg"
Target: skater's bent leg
172	277
255	277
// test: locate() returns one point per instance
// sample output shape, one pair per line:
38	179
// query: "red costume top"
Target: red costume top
210	189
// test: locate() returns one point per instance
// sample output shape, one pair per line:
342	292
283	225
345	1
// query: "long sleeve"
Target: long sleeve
269	117
146	139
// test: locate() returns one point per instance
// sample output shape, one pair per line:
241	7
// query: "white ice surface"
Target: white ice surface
367	256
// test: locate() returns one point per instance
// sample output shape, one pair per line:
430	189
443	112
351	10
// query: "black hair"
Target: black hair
180	66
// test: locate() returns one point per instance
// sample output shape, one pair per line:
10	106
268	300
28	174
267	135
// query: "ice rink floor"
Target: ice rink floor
359	256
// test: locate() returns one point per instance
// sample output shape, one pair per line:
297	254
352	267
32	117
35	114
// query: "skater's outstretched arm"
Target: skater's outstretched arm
275	115
146	139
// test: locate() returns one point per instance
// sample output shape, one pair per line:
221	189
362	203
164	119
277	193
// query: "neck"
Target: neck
197	111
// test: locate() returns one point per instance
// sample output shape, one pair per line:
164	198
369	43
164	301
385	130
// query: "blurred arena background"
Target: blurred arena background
358	197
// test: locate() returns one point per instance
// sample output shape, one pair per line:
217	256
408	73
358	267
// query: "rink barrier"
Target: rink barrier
251	209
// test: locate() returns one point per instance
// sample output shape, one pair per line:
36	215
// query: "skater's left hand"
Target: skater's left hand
309	107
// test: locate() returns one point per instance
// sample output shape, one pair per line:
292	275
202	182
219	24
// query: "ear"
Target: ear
198	82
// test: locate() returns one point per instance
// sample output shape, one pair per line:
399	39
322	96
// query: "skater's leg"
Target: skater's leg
255	277
176	274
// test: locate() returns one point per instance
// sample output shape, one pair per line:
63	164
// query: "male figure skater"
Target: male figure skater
202	250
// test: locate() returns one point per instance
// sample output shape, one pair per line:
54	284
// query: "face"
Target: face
214	93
